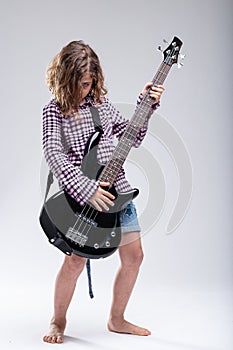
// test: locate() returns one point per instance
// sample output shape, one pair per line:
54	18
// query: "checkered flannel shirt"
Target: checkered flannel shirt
64	140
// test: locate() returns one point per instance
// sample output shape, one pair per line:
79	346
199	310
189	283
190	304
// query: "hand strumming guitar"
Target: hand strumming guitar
101	197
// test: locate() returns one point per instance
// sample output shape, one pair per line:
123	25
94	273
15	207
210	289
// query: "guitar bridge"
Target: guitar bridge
76	236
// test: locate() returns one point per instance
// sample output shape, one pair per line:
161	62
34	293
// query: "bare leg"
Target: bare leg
64	289
131	256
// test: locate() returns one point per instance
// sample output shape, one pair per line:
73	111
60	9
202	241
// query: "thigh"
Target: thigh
130	238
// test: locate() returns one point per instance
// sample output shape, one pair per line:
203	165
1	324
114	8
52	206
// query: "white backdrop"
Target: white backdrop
197	102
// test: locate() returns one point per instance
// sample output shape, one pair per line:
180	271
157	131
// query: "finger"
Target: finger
104	184
149	84
146	87
155	94
106	194
102	204
160	86
158	89
107	200
96	205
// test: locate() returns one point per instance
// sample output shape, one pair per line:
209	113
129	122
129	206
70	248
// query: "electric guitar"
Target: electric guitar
83	230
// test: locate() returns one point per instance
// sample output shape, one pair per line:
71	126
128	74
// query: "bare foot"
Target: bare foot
55	333
125	327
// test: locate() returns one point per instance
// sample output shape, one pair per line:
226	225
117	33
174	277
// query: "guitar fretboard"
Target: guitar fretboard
127	140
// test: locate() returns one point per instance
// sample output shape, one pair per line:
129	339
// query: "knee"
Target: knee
138	258
134	259
74	265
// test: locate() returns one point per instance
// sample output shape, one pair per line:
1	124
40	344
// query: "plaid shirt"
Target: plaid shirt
64	140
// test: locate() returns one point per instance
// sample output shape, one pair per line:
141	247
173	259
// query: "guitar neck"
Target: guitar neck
127	140
141	113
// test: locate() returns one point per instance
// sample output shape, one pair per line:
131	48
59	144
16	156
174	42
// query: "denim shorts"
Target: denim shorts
128	219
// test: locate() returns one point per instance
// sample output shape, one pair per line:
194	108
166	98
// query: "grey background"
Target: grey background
197	101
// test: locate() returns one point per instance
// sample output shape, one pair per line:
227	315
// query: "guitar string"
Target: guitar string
128	131
156	80
122	147
86	223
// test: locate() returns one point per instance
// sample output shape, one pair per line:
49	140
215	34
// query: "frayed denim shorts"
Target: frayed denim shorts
128	219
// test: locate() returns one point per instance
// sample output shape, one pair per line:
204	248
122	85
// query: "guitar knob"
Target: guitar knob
96	246
113	234
107	243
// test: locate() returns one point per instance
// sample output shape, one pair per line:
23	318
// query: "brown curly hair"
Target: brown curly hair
64	74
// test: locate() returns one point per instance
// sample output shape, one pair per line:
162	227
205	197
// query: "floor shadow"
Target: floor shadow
83	342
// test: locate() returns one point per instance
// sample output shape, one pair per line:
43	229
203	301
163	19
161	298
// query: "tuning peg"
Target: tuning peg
159	48
182	56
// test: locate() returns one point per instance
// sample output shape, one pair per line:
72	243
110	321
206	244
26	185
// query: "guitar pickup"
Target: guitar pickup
86	219
76	236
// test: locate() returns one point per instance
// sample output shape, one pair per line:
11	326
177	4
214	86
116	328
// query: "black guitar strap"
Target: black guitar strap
96	119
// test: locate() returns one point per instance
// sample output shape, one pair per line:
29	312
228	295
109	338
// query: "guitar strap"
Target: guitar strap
98	127
96	119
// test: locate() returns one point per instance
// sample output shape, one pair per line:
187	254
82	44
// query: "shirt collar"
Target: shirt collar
88	102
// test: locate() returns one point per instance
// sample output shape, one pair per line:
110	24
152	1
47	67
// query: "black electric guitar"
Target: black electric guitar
83	230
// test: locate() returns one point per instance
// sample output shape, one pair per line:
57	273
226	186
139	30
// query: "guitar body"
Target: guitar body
83	230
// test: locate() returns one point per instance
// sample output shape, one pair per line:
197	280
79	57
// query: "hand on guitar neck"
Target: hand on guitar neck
155	91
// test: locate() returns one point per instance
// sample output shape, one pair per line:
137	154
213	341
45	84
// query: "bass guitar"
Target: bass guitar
83	230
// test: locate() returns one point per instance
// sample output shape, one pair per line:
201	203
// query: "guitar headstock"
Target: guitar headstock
171	53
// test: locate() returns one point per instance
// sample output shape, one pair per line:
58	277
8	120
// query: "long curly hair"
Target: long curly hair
64	74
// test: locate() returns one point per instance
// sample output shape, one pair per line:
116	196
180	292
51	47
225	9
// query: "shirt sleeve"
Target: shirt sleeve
120	123
70	177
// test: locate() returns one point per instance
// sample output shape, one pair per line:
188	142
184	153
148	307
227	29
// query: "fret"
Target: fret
110	172
128	139
130	134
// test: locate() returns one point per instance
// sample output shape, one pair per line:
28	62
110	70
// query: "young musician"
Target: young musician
76	81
